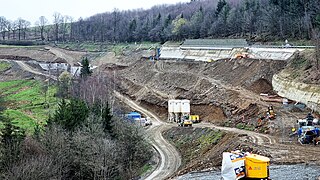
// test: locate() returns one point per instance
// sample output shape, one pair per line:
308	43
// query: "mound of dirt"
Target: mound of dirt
261	86
215	89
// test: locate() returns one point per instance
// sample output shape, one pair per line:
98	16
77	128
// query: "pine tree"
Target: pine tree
104	113
85	70
72	114
11	141
107	121
220	6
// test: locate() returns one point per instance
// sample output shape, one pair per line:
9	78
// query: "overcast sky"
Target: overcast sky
31	10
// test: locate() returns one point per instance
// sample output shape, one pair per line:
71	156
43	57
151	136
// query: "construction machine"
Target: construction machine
307	131
194	118
269	114
185	121
243	55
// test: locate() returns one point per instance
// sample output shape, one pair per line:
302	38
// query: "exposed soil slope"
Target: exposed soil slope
40	53
217	90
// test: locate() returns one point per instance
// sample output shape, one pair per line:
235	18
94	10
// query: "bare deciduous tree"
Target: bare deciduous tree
42	23
57	21
3	26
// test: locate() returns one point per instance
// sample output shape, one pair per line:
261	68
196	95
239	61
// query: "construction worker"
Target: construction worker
300	132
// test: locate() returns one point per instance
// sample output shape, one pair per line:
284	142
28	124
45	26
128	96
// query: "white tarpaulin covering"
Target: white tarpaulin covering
233	167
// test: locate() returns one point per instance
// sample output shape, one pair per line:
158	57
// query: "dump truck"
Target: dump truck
237	165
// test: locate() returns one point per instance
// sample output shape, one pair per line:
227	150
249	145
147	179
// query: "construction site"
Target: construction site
251	93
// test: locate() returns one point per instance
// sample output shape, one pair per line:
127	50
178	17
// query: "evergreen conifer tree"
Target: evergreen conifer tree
71	115
107	121
11	141
85	70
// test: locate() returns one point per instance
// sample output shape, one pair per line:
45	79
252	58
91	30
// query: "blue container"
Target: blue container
133	115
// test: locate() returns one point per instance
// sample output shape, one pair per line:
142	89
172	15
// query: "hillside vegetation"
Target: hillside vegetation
260	20
28	102
67	132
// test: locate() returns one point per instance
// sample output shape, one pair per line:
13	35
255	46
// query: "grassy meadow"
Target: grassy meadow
28	102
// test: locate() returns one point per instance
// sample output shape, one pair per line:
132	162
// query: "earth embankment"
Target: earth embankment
217	90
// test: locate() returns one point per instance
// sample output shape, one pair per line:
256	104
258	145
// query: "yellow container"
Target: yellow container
257	166
194	118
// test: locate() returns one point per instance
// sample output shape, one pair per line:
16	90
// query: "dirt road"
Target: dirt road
28	68
257	138
169	156
281	153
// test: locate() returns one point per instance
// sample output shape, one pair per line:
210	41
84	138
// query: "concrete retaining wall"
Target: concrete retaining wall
206	54
198	54
297	91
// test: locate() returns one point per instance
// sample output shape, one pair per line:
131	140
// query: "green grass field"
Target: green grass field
4	66
27	102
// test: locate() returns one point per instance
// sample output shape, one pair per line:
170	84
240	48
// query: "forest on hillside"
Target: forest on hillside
259	20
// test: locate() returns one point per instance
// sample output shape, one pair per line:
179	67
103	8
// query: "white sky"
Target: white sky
31	10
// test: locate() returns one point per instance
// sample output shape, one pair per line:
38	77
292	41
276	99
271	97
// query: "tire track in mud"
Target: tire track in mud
257	138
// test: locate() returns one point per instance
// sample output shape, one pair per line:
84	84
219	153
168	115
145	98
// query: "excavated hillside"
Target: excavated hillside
299	81
41	53
217	90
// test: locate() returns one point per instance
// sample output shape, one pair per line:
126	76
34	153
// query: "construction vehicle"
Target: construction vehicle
194	118
237	165
269	114
243	55
307	132
137	118
185	121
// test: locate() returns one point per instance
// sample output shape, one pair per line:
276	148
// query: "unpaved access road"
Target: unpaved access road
170	158
281	153
28	68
